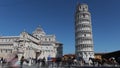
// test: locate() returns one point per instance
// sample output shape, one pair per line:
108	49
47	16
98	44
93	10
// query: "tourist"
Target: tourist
21	61
14	63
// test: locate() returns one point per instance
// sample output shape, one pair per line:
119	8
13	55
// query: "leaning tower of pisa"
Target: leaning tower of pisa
83	33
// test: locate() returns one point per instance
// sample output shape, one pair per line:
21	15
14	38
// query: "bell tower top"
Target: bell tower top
82	7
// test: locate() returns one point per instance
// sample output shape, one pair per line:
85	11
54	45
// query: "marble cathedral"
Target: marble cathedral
35	45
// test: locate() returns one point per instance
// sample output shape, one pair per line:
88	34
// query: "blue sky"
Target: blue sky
57	17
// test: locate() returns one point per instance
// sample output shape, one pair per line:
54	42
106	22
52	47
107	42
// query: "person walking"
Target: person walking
21	61
43	61
14	63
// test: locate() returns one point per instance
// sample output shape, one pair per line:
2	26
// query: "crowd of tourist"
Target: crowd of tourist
13	62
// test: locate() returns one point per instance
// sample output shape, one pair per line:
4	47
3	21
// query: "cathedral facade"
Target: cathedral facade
35	45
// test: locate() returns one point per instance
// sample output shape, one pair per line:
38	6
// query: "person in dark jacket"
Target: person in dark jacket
21	61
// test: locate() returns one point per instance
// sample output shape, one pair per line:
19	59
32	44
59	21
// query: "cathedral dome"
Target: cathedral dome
39	32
